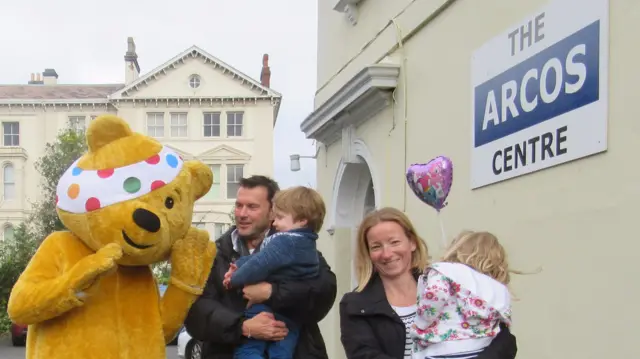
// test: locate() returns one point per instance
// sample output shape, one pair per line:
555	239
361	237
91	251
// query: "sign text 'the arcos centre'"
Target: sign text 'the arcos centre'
539	92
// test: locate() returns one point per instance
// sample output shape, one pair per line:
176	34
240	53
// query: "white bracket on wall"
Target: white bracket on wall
348	150
349	8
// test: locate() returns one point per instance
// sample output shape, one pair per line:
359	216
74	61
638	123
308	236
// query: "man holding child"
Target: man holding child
300	291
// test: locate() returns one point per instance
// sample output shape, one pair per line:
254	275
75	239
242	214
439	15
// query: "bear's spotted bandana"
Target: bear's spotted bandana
81	191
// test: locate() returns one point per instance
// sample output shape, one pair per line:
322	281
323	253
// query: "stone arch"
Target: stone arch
356	190
352	187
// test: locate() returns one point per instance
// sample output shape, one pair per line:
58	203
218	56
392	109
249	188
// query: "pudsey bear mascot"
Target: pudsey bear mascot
89	292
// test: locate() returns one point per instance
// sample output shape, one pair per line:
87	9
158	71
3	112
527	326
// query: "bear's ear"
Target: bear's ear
202	178
106	129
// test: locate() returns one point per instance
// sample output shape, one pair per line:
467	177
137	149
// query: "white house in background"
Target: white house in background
401	82
195	103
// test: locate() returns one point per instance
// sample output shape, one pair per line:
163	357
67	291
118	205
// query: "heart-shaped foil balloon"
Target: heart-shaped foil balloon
431	181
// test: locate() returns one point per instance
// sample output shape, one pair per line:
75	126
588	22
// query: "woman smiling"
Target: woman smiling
375	318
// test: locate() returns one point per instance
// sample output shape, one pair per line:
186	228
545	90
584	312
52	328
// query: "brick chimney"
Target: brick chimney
131	67
35	79
265	75
50	77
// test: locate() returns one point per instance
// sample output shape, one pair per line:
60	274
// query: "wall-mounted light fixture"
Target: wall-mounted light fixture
295	160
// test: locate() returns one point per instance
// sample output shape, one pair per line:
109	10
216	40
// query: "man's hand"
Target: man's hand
264	327
257	293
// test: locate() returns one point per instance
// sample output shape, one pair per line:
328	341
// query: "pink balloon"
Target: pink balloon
431	182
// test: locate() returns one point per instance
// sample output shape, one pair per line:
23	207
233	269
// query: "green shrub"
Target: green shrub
15	254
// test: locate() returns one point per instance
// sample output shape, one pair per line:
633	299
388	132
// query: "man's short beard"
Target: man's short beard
257	233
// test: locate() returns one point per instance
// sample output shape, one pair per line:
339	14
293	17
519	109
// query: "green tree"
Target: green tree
162	272
58	156
15	254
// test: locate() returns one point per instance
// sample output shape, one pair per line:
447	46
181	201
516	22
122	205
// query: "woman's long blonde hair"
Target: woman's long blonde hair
483	252
364	266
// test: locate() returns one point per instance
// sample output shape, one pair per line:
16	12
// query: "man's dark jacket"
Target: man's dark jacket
216	317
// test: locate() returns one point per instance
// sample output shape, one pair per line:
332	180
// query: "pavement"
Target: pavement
8	351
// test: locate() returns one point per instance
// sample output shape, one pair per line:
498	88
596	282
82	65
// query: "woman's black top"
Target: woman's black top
371	329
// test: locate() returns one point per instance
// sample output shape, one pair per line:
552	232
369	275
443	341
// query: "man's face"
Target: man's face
253	211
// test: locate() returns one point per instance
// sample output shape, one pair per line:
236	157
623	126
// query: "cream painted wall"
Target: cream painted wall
373	16
573	220
254	149
257	124
176	82
256	144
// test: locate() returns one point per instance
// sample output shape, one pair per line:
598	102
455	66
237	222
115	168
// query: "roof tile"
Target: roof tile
57	92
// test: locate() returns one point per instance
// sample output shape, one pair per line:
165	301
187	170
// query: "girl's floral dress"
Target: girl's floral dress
459	306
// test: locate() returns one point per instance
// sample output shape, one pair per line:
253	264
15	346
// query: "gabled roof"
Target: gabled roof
224	151
195	51
57	92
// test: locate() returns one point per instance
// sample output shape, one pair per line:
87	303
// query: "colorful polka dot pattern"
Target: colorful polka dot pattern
132	185
81	191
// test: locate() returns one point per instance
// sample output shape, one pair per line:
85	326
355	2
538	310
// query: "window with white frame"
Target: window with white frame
9	181
155	124
234	124
211	124
194	81
214	192
179	124
11	133
200	225
234	175
77	123
8	233
218	230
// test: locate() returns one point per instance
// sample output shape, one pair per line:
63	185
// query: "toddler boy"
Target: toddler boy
289	254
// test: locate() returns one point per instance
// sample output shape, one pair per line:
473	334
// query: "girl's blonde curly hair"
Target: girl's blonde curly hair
481	251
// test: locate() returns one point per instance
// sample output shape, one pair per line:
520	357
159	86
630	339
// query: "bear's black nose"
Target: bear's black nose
146	220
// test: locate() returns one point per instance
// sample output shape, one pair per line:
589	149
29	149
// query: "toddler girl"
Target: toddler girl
462	299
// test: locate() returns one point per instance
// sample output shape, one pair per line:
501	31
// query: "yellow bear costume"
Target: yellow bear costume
89	292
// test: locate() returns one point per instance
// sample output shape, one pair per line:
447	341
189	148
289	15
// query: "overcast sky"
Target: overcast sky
85	42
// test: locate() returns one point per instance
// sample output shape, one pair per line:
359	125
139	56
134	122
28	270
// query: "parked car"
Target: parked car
18	334
175	340
188	348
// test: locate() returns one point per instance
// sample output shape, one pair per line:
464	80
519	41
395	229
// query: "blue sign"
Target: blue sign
539	92
559	79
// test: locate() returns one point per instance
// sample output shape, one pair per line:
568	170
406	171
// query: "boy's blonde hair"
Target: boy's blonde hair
302	203
483	252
